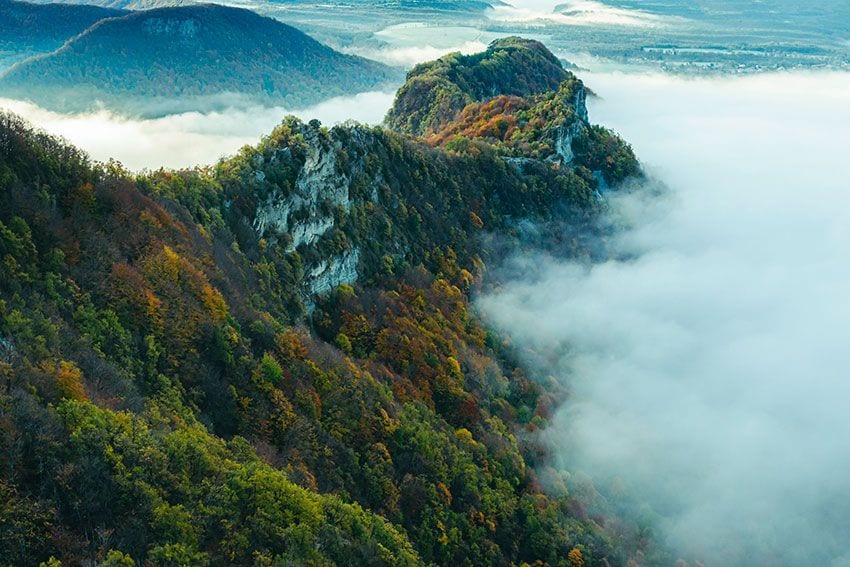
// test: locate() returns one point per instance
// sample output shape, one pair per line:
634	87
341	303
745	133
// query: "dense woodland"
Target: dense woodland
172	394
29	29
184	57
435	92
45	27
515	99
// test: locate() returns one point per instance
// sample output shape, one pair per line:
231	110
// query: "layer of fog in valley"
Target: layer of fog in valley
191	138
578	13
707	363
409	43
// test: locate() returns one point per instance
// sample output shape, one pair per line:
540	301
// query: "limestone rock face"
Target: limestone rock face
567	133
564	140
322	188
329	274
580	104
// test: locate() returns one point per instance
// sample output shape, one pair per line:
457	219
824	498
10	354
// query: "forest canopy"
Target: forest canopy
274	360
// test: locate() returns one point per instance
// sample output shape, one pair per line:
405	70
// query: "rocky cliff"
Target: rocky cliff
352	201
275	360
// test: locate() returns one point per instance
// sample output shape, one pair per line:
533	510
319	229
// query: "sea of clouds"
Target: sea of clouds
708	362
409	43
190	138
578	13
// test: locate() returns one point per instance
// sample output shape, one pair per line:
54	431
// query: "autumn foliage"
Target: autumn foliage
171	393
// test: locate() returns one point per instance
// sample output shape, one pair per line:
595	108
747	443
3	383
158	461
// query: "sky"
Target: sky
707	361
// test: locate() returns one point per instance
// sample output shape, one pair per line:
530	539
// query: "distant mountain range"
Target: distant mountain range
27	29
442	5
181	58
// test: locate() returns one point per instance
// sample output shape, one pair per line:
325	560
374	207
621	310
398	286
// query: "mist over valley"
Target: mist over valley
706	360
424	283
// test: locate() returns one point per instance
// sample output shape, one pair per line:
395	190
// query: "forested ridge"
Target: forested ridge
436	91
28	29
46	26
197	57
274	360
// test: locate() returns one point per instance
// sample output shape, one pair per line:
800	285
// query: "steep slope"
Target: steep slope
422	5
437	5
139	4
276	360
189	57
518	100
436	91
27	29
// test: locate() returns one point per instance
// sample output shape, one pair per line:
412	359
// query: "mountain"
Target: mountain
137	4
420	5
195	57
437	5
436	92
517	99
27	29
275	360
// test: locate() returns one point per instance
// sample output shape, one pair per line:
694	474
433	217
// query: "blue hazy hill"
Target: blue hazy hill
186	57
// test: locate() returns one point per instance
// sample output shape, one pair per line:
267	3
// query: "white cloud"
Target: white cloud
192	138
409	43
411	55
709	371
578	13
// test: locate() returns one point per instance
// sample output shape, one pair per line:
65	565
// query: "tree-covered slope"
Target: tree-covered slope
190	57
436	5
517	100
275	361
436	91
474	6
27	29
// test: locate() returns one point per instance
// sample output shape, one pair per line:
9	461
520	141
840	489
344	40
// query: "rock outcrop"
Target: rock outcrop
307	213
319	192
330	274
322	188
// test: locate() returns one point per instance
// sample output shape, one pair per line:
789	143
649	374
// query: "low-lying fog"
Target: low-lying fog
192	138
410	43
710	372
578	13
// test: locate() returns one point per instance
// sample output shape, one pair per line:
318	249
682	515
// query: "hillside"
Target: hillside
27	29
436	92
518	100
275	360
438	5
422	5
192	57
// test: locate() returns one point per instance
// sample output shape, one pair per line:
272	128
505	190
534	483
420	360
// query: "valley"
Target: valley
414	282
